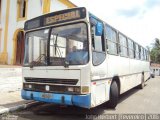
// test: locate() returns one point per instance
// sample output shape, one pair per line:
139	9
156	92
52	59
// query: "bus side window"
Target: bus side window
136	51
97	41
98	47
123	45
131	48
92	35
111	39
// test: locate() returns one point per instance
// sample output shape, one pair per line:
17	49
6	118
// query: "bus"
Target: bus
74	58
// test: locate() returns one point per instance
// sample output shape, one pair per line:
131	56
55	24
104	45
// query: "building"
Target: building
13	14
155	68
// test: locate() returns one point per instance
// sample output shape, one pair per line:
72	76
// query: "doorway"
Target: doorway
20	48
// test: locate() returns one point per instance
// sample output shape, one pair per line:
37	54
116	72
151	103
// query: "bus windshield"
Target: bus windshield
67	44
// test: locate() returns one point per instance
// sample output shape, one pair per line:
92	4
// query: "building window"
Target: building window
111	37
22	9
123	45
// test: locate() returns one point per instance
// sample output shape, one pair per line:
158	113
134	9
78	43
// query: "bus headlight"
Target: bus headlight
30	86
74	89
47	88
27	86
70	89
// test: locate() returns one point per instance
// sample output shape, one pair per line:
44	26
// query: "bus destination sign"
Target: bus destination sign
56	18
63	17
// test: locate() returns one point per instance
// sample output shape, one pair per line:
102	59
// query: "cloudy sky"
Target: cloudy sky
138	19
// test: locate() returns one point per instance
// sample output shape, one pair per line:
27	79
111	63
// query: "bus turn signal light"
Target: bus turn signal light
85	89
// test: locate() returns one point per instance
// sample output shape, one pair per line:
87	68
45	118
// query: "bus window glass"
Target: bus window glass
61	44
97	47
139	49
69	44
147	55
36	47
131	48
123	45
97	40
142	53
136	51
111	37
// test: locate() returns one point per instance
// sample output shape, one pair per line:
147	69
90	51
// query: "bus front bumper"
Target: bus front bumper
64	99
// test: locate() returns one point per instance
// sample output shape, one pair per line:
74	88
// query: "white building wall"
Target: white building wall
12	26
56	6
3	19
35	8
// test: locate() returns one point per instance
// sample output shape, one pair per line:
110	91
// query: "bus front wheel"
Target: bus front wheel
114	94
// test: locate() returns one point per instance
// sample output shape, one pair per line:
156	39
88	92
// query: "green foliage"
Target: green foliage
155	52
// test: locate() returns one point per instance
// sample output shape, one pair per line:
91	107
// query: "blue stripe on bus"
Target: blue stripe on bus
64	99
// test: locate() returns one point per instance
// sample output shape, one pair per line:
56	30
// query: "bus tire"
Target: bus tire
114	94
141	86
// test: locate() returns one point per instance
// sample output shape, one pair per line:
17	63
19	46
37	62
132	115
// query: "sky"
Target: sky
138	19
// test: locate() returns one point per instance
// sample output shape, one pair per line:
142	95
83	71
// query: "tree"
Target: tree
155	52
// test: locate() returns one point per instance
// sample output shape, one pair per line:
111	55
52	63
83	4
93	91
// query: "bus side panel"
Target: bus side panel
99	92
128	82
147	75
129	71
99	84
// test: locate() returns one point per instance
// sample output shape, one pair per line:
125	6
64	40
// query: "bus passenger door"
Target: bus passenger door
99	65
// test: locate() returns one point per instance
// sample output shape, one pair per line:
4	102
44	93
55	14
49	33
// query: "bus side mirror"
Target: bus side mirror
99	29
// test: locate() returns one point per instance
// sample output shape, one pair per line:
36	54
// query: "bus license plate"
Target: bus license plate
46	95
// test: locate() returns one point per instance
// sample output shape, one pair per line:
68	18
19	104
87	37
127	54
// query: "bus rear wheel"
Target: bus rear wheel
141	86
114	94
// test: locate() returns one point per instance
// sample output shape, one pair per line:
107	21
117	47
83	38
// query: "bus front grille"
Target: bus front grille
53	81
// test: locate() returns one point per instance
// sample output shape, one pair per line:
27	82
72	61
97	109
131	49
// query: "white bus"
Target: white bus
74	58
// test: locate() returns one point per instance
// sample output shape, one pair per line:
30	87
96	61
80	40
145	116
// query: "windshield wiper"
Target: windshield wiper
56	46
38	61
57	49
